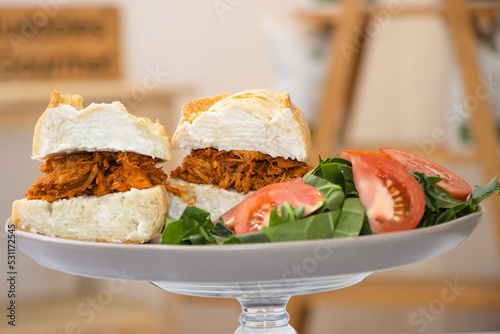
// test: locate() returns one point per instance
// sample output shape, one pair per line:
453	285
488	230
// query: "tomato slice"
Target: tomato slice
346	154
392	197
451	183
228	216
254	211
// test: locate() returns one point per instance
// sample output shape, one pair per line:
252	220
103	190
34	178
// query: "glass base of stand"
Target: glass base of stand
264	303
281	330
264	315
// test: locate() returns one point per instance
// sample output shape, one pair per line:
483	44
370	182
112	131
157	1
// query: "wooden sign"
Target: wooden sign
54	42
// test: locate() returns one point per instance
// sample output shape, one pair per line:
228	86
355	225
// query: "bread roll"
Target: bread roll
255	120
134	216
66	127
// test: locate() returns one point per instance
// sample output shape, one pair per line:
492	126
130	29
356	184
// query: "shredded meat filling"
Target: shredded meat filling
242	170
96	173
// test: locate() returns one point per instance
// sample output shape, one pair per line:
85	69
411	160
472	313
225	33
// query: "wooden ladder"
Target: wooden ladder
328	140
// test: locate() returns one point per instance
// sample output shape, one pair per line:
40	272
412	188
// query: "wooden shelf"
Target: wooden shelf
329	14
439	153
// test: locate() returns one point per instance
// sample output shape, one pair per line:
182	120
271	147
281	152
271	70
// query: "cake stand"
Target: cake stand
262	277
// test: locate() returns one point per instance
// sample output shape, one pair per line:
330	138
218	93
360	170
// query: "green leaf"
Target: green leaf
194	227
195	239
441	207
366	229
249	238
349	186
435	197
175	231
196	214
351	218
319	226
334	170
333	196
480	193
318	169
274	218
220	229
285	213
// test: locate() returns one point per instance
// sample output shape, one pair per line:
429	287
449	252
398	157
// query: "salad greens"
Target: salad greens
341	214
441	207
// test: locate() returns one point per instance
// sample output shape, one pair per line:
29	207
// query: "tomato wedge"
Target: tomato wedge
228	216
451	182
254	211
392	197
346	154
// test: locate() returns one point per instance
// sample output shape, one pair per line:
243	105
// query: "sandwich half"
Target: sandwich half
239	143
102	179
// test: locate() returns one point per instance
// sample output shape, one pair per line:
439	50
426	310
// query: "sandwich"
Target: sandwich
238	144
103	179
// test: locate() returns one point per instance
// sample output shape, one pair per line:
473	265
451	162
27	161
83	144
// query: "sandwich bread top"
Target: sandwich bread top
67	127
254	120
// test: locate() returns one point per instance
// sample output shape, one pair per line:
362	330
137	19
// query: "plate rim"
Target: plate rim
245	247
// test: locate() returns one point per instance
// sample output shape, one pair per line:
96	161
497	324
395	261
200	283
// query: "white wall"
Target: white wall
190	41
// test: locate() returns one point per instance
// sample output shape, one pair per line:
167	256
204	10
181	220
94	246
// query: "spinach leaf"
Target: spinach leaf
336	171
194	227
366	229
319	226
351	218
285	213
441	207
249	238
333	195
480	193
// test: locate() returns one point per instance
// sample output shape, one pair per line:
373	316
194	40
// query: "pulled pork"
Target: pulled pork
96	173
241	170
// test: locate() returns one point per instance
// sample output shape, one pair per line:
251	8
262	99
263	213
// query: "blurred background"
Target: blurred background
399	84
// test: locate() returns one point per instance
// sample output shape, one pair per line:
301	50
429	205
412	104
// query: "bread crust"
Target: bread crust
191	110
66	127
257	120
135	216
58	98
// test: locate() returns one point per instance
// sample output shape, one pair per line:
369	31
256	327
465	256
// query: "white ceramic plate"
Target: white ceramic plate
246	263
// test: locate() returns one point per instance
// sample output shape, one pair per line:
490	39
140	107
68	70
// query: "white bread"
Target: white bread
134	216
66	127
210	198
254	120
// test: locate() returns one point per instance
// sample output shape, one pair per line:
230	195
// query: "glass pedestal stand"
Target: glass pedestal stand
262	277
264	303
